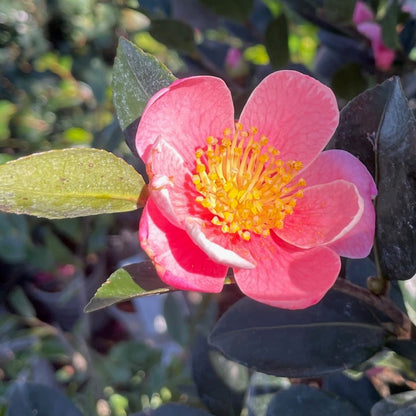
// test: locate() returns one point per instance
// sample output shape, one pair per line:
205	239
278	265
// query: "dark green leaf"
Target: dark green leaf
173	409
137	76
348	81
381	119
304	400
312	11
276	41
360	392
396	201
21	303
13	238
28	399
389	24
174	34
335	334
402	404
129	282
221	383
404	347
234	9
69	183
261	390
339	11
175	318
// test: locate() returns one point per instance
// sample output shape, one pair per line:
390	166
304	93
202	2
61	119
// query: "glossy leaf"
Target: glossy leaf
136	77
28	399
402	404
338	333
304	400
236	10
70	183
175	34
359	392
276	41
379	128
132	281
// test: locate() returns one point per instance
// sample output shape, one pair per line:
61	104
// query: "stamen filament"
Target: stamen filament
244	184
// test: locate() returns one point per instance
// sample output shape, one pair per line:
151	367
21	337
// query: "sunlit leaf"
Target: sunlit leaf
137	76
70	183
7	109
129	282
408	289
337	333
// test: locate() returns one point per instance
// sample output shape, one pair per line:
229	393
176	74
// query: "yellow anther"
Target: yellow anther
244	185
200	168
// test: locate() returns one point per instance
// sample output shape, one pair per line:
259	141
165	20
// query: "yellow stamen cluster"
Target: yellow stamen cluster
243	183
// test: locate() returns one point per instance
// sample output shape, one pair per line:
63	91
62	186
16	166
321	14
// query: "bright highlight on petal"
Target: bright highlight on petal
244	183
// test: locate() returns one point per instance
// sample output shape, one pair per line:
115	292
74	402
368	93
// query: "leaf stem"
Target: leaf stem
404	328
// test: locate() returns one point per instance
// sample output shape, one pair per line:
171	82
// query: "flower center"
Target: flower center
243	183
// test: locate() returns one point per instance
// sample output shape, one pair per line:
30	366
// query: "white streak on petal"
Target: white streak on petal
354	221
160	194
214	251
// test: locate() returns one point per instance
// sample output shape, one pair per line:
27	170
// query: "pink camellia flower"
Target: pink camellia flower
363	18
257	195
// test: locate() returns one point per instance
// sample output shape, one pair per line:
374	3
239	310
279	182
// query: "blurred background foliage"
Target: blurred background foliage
56	60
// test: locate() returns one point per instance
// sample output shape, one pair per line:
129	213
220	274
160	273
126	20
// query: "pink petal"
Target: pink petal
179	262
295	112
362	13
337	164
171	185
288	277
383	56
184	115
324	214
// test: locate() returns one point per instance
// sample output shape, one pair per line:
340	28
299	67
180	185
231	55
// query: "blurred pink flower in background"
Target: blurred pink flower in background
363	18
258	195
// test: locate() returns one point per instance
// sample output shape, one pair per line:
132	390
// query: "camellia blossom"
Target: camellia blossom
363	18
257	195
